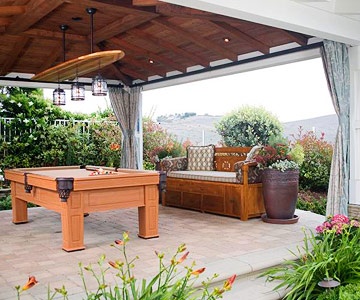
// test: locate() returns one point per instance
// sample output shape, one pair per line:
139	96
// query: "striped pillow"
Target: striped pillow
200	158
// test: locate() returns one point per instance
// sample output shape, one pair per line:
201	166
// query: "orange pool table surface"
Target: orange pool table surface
74	191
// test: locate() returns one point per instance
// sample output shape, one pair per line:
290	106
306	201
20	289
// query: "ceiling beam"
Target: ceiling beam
200	41
242	36
124	45
6	11
35	11
194	58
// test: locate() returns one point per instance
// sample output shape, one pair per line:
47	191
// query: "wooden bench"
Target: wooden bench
233	189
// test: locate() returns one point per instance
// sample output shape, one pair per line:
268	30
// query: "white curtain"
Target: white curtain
336	65
126	109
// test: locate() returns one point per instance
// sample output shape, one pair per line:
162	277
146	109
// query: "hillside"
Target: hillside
201	129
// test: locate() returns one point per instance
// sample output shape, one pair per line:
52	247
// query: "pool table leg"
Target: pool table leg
19	207
149	214
72	222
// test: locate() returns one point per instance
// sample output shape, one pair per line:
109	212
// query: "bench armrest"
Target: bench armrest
174	164
247	172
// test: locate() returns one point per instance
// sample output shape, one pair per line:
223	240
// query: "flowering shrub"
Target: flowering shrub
315	171
332	253
169	283
337	224
280	156
158	143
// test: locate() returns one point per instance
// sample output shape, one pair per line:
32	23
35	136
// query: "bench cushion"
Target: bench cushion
219	176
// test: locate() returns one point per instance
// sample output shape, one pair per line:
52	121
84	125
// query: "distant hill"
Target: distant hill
201	129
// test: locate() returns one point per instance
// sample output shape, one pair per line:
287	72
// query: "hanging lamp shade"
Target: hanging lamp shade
59	96
77	91
99	86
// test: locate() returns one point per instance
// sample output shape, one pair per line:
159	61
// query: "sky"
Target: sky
291	92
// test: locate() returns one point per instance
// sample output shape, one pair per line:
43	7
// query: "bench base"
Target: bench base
229	199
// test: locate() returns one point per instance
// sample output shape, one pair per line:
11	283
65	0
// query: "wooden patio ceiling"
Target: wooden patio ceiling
159	39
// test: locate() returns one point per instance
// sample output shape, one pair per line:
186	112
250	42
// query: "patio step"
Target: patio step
248	285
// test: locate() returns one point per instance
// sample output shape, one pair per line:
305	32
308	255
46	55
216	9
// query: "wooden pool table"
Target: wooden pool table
73	191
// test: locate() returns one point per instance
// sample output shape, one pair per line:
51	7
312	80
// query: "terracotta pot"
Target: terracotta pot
280	191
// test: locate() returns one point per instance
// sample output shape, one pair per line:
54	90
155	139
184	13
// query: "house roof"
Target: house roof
160	40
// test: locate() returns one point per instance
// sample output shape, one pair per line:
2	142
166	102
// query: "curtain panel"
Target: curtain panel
337	70
126	109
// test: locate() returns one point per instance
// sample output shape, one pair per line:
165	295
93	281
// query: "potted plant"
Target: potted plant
280	179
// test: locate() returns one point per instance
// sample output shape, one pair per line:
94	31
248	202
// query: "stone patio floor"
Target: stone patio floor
221	244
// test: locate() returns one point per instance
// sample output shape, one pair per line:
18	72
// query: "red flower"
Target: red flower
31	282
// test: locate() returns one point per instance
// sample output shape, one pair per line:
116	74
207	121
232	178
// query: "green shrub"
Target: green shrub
248	126
315	170
313	202
350	292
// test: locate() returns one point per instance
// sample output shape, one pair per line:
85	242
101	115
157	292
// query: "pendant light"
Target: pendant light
99	84
77	91
59	93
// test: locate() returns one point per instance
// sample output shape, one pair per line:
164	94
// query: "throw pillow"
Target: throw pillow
200	158
254	150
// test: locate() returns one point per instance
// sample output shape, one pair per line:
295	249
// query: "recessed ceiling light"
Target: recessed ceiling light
226	39
151	61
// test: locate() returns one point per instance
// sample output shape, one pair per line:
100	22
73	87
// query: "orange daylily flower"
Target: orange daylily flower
31	282
228	283
198	271
182	258
114	146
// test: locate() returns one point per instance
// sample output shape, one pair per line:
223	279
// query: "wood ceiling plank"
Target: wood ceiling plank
145	2
120	26
198	40
173	10
153	70
243	36
12	10
14	55
4	21
113	7
194	59
54	35
53	56
35	11
133	73
115	67
148	54
296	37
